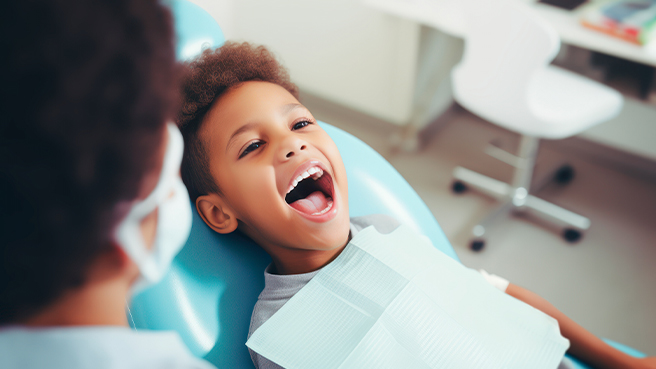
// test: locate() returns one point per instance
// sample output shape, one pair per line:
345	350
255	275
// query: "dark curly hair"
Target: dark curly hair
205	80
87	87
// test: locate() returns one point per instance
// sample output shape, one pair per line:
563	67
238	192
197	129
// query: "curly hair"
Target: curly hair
87	87
205	80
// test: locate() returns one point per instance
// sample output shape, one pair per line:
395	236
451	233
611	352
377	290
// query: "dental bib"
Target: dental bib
395	301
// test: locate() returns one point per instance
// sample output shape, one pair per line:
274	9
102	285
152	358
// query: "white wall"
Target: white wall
340	50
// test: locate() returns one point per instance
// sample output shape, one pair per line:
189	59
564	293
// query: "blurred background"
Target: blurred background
380	69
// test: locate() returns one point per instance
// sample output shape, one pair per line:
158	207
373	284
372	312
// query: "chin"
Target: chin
333	235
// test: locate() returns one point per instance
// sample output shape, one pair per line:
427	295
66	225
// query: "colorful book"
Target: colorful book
630	20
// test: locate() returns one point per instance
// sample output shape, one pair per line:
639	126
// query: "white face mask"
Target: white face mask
171	200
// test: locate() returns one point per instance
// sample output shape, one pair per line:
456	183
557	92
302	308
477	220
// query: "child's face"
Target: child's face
260	140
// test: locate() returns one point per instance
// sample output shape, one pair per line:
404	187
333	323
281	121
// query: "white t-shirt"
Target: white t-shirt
98	347
278	289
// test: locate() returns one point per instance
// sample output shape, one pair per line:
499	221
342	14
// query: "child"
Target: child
256	161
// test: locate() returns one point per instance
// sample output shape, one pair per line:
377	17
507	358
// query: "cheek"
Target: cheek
254	192
331	151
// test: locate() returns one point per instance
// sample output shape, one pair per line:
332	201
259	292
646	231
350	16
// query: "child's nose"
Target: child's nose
293	148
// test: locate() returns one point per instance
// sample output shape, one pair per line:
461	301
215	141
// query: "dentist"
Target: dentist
92	207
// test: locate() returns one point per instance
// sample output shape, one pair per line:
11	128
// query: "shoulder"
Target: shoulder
261	313
278	289
383	223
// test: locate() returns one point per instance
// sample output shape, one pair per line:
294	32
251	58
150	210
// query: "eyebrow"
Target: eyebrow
286	109
239	131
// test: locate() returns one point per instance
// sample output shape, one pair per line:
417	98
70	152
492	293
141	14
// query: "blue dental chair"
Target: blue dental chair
213	284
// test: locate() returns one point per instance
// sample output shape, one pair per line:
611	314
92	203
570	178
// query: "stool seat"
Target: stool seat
555	103
566	103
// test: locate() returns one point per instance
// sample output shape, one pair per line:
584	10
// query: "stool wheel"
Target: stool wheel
458	187
477	245
564	174
572	235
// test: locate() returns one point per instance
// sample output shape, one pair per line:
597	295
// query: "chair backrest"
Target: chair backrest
213	284
506	44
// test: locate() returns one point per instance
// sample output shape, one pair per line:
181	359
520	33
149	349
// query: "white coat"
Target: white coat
98	347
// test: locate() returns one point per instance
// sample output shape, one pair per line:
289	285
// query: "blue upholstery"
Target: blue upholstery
208	294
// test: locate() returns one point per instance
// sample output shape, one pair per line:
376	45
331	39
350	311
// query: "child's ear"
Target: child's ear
216	213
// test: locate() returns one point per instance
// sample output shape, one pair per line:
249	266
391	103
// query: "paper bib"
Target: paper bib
395	301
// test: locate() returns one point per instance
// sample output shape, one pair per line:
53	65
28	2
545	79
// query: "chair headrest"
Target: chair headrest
195	29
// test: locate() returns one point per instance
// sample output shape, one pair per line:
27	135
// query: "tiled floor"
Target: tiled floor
606	282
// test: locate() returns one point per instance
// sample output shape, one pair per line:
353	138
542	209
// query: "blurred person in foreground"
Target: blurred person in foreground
92	208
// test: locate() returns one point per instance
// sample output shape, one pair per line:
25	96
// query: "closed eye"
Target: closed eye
301	124
251	147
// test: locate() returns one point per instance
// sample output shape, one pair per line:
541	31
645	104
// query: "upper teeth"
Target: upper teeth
315	172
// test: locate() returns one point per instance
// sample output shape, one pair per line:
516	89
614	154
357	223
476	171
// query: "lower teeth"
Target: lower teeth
330	205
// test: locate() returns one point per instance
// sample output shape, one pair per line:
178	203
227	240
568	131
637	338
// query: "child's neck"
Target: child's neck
287	261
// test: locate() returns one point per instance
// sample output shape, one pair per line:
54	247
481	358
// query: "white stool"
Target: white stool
505	78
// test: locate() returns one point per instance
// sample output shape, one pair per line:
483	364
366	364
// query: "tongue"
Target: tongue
314	203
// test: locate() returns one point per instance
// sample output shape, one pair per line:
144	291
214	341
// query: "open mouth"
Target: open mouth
311	192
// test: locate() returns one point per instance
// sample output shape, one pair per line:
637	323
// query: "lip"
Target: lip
330	214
